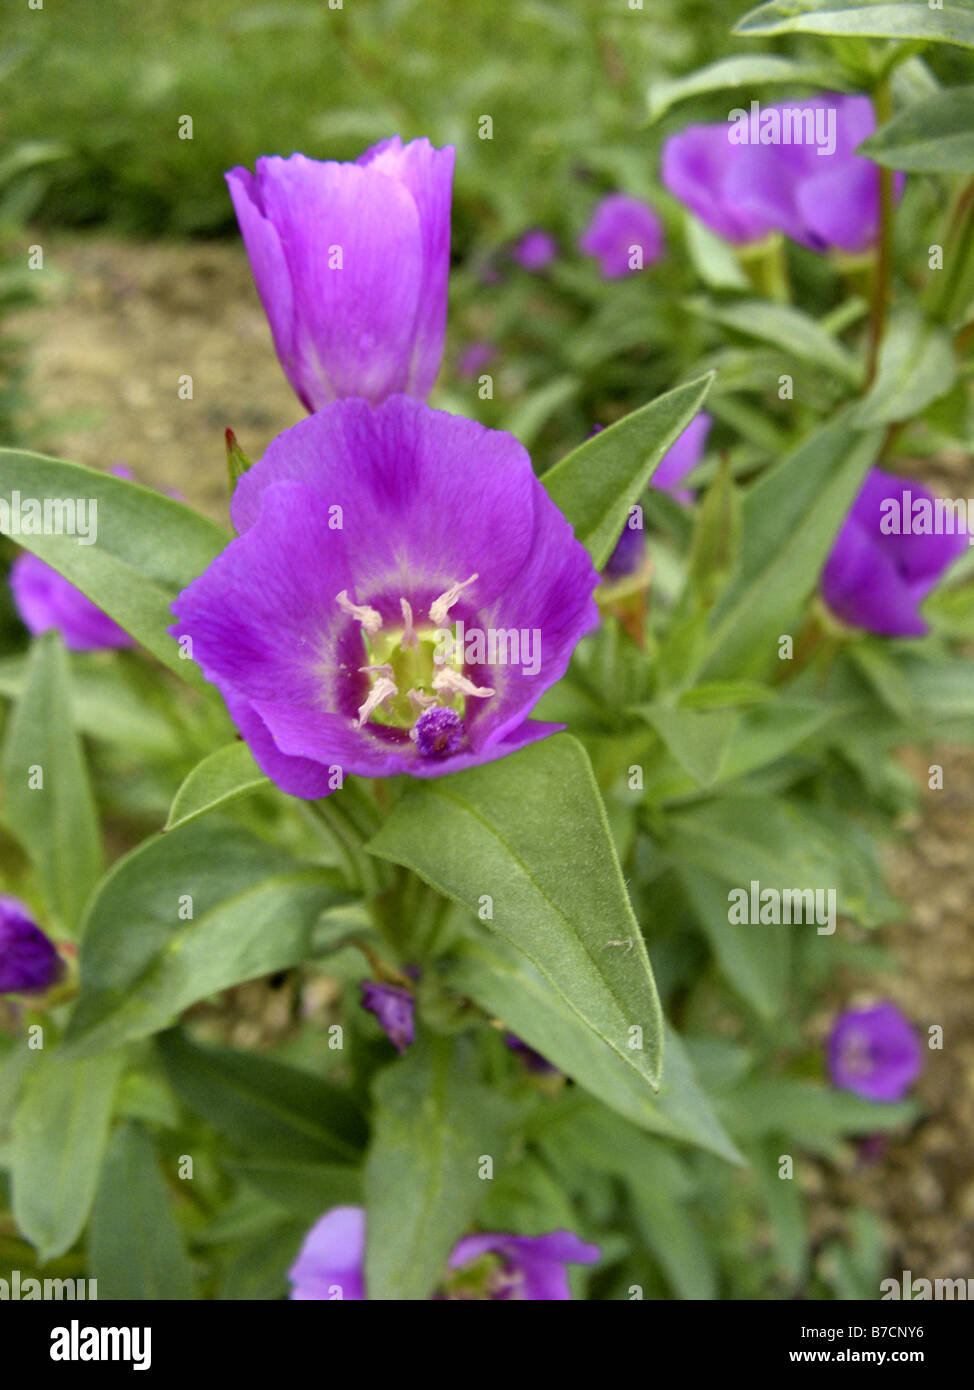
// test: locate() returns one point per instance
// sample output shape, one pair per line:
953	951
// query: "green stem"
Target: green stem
884	252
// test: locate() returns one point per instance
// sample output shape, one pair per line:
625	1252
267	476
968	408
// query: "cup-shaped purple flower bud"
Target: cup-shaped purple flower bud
679	460
394	1007
521	1267
330	1263
874	1052
29	962
889	554
624	235
351	263
45	599
536	249
790	168
389	563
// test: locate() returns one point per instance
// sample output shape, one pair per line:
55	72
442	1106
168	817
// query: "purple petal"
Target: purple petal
29	962
620	226
44	600
332	1257
875	1052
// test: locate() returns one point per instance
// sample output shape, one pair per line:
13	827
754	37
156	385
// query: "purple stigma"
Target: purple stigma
439	732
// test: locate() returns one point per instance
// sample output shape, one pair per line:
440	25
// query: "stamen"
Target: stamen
409	638
446	678
420	700
382	689
384	669
441	606
361	612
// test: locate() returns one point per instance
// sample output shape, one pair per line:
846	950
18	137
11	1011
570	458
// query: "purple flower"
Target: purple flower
874	1052
679	460
532	1060
387	560
351	264
394	1008
523	1267
742	191
29	962
474	358
489	1267
44	599
624	235
887	557
535	250
330	1262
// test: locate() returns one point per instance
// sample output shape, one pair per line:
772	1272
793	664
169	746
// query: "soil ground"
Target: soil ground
121	323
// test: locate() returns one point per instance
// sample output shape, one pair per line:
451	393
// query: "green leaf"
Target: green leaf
55	820
698	739
813	1116
935	135
871	19
60	1130
785	327
597	483
755	960
306	1188
916	366
148	549
220	778
134	1247
532	837
262	1106
746	70
528	418
184	915
790	517
712	258
433	1122
503	982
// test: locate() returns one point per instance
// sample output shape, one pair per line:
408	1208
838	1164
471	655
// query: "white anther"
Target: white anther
441	606
361	612
382	670
420	700
451	681
409	638
382	689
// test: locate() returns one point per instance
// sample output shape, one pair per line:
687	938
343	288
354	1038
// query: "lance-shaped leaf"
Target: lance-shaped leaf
789	519
134	1249
951	22
785	327
597	483
148	547
59	1133
434	1123
220	778
747	70
916	366
186	914
527	847
935	135
49	804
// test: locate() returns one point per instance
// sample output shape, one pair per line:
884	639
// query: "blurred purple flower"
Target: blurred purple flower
351	263
365	538
475	357
535	250
622	229
744	191
330	1262
876	577
44	599
394	1008
874	1052
679	460
29	962
525	1267
532	1060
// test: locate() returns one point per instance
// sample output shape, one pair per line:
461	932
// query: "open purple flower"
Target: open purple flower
351	263
330	1262
29	962
817	190
394	1007
874	1052
45	599
503	1267
624	235
888	556
402	592
679	460
536	249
